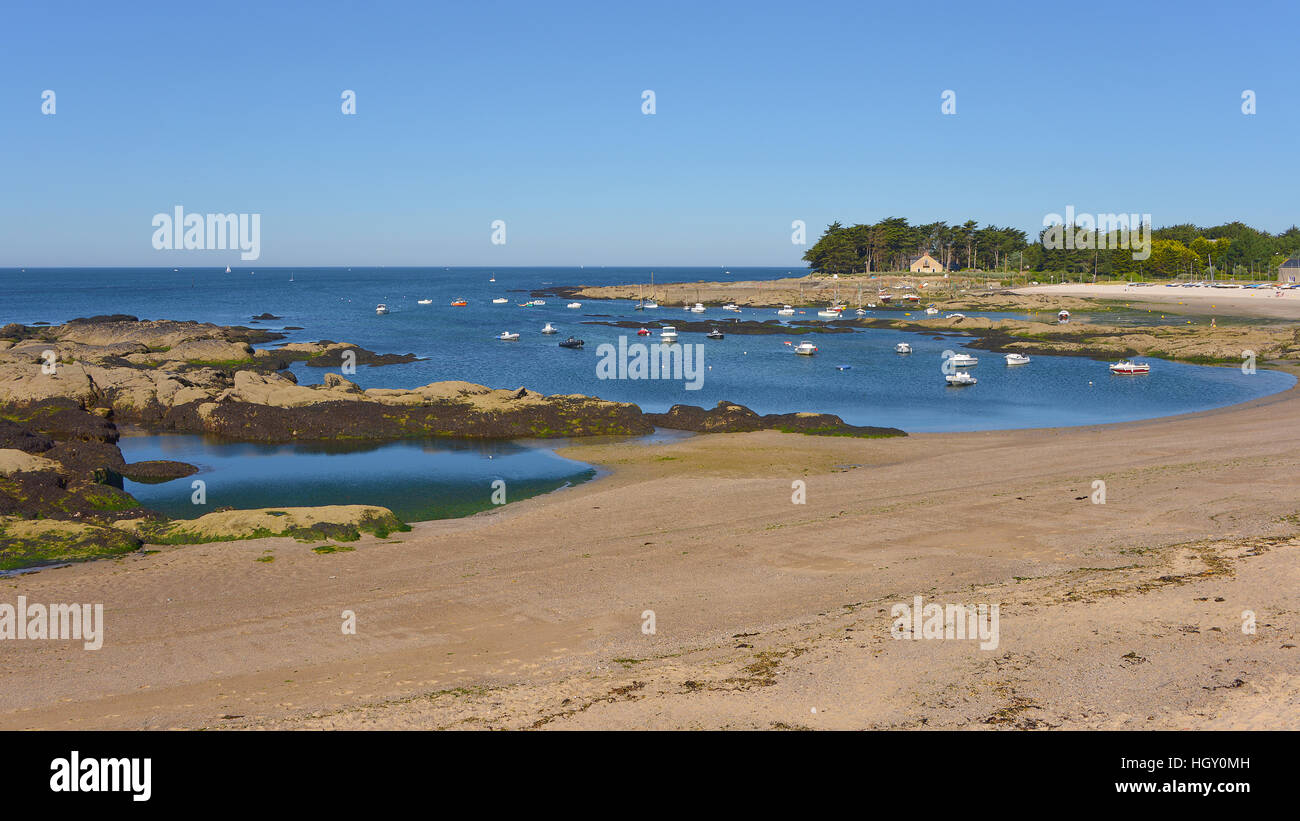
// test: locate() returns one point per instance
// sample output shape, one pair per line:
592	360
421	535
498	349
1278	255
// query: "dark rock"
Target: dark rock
267	316
728	417
17	437
155	471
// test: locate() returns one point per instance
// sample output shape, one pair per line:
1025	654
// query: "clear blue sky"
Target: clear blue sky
531	113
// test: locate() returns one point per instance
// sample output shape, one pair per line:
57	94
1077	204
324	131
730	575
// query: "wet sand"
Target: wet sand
768	614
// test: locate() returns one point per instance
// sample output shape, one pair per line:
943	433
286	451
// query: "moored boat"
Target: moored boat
571	342
903	347
805	349
714	334
786	310
381	309
1017	359
549	329
1127	366
668	334
963	360
458	303
506	336
424	302
960	378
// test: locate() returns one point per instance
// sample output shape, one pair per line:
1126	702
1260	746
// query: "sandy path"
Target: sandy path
1123	614
1202	301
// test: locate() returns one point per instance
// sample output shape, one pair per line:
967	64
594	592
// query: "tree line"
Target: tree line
1185	250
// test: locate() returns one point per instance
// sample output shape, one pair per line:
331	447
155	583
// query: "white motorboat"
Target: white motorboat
805	349
506	336
731	306
424	302
871	304
861	312
903	347
786	310
698	309
1126	366
955	316
539	302
960	378
549	329
963	360
829	313
1017	359
500	301
574	305
668	334
931	311
381	309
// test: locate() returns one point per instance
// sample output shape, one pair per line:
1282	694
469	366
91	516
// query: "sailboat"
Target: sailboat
291	276
650	303
227	269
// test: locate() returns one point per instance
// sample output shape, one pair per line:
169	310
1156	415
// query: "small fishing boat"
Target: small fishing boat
843	367
885	298
903	347
959	378
1017	359
714	334
1063	317
731	306
861	312
574	305
424	302
506	336
500	301
643	332
955	316
539	302
829	313
549	329
912	299
786	310
805	349
1126	366
458	303
963	360
698	309
571	342
381	309
668	334
931	311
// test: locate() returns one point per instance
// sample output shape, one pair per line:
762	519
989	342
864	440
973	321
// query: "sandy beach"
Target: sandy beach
767	613
1262	302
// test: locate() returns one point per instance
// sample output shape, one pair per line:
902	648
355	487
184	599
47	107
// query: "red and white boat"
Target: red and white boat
643	332
1125	366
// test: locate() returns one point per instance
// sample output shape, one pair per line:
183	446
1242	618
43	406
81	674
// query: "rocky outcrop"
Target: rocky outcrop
338	522
728	417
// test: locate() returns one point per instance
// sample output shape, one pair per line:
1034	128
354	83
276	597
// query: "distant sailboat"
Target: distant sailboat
291	276
227	269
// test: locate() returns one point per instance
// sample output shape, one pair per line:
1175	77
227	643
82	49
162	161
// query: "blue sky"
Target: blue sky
531	113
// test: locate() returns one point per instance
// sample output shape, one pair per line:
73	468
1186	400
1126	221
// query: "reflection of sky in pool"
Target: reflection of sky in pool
417	480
